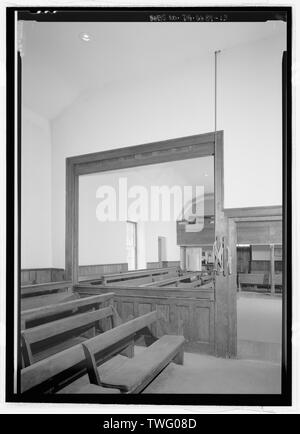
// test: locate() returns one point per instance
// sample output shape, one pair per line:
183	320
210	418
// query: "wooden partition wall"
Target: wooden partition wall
224	335
181	311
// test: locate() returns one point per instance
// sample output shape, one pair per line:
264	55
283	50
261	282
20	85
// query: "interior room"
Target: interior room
151	199
158	200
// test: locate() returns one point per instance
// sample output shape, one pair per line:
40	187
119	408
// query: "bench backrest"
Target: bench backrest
56	328
60	308
46	369
254	279
113	341
44	288
44	300
152	273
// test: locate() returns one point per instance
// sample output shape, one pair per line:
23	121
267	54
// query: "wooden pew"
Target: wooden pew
56	372
55	336
253	280
187	280
66	308
136	277
46	300
187	277
44	288
134	374
33	296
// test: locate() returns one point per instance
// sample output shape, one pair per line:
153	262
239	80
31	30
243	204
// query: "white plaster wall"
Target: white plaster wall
105	242
180	102
249	112
36	233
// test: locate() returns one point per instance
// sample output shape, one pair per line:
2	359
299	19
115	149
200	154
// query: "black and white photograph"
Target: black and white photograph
150	256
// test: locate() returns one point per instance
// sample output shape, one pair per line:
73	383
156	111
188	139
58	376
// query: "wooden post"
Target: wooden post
232	289
225	293
272	269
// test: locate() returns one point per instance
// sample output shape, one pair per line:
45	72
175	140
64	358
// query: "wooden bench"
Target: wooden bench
252	279
45	300
55	336
44	288
136	373
136	277
189	279
65	308
53	374
33	296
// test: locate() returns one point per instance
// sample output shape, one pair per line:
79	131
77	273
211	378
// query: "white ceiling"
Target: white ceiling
58	66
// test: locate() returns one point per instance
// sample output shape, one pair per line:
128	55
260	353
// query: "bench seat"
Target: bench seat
136	373
113	364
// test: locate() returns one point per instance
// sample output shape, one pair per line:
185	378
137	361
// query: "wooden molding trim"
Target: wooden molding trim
210	144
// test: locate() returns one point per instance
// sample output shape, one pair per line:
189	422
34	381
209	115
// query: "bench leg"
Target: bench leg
178	359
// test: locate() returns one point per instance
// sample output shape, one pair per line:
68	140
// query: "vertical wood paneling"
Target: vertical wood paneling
42	275
201	326
179	312
144	308
183	320
163	323
127	310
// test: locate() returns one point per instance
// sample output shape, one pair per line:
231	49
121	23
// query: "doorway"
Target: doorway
162	247
131	245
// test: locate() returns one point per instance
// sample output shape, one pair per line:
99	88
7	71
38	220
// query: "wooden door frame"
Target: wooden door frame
136	244
203	145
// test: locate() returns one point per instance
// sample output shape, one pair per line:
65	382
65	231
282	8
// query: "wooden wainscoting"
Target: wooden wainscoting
32	276
181	311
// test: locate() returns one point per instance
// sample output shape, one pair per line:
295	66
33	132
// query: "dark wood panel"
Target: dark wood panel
127	310
186	311
204	237
243	259
202	321
259	232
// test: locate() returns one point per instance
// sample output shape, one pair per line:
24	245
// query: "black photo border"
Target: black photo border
135	14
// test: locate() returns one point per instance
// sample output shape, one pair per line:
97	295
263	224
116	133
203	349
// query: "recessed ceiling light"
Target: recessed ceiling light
85	37
205	174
